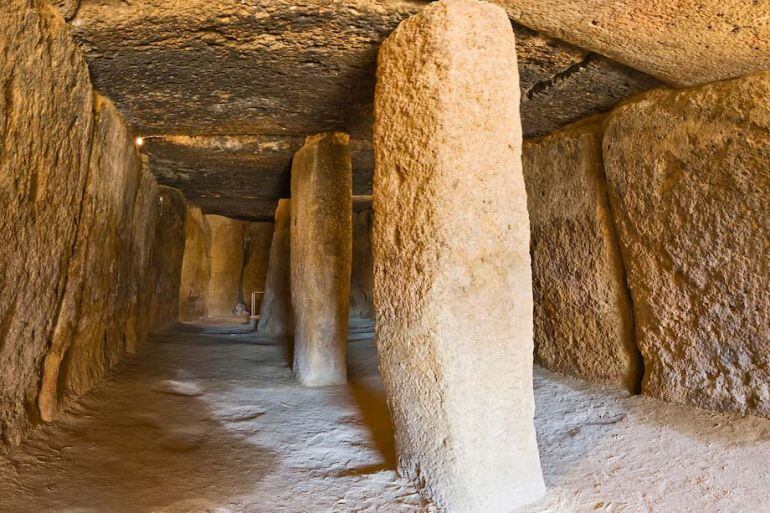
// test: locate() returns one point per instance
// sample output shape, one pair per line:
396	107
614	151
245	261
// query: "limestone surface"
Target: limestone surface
45	136
255	270
362	273
226	262
321	252
143	230
689	181
194	279
275	315
584	323
685	43
167	257
89	337
452	277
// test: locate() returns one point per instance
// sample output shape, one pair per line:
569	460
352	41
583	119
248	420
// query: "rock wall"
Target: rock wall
226	260
167	258
689	182
275	316
78	230
362	275
194	280
255	272
583	316
214	259
46	113
89	337
142	249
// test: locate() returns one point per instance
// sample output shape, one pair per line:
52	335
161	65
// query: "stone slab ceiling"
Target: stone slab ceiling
233	87
682	42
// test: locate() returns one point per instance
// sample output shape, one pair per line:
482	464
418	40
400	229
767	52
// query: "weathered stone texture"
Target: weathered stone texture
89	337
321	252
226	261
45	135
686	43
255	270
275	315
194	280
176	70
240	176
68	8
143	237
592	86
289	46
362	274
313	63
583	315
452	270
167	257
689	182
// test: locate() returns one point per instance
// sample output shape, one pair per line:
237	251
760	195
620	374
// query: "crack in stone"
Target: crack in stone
544	85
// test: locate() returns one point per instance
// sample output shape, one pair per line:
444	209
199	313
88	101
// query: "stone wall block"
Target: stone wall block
255	270
275	314
584	322
194	280
167	258
226	254
46	114
89	334
689	180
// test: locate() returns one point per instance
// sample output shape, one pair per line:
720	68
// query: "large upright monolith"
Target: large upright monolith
275	317
321	254
453	285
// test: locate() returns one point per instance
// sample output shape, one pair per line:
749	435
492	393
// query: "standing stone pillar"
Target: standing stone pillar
321	253
226	254
453	285
275	317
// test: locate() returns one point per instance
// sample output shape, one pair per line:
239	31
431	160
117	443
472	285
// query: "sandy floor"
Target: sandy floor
203	421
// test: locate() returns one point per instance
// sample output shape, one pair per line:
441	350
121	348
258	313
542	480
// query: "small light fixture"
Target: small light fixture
139	141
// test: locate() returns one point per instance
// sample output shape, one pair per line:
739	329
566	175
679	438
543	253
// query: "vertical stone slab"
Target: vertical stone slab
321	246
255	271
194	281
226	258
584	324
167	257
45	139
361	323
142	233
362	275
689	179
452	278
275	315
89	334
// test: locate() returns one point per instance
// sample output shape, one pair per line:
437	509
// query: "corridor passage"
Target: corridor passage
207	422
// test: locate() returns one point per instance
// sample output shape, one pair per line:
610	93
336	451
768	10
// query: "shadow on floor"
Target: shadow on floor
143	441
369	396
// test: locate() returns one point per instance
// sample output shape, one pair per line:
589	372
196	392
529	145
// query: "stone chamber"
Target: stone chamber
384	256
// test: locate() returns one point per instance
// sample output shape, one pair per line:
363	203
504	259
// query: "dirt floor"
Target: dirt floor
204	421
